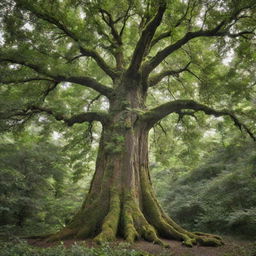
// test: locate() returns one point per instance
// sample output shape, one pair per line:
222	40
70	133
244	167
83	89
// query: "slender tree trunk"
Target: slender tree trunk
121	201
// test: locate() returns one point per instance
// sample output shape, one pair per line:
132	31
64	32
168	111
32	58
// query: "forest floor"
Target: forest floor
232	247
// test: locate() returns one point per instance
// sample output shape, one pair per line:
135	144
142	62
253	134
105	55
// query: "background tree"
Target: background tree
130	57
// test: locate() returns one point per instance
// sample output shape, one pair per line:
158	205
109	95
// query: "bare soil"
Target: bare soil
232	247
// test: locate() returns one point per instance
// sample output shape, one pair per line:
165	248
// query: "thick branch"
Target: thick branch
89	82
157	78
80	118
20	81
161	55
85	81
155	115
145	39
100	61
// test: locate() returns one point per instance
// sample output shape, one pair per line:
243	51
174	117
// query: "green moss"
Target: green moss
110	222
130	233
165	225
136	224
209	241
114	142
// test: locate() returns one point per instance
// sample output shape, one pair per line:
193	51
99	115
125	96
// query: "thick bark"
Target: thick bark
121	201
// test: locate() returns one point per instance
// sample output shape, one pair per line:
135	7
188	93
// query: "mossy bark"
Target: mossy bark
121	201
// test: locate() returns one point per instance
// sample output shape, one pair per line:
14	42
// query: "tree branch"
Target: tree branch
100	61
80	118
145	39
160	37
89	82
107	18
169	32
157	78
82	80
161	55
215	32
125	18
156	114
19	81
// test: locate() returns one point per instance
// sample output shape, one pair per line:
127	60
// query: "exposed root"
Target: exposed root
137	225
61	235
208	235
130	233
111	211
166	226
209	241
90	217
111	221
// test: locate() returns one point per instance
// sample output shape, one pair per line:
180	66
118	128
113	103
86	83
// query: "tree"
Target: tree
125	52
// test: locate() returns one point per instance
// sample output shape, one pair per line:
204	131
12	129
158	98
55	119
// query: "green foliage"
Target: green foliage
23	249
219	195
34	181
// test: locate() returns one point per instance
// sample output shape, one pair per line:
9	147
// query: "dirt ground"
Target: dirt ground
232	247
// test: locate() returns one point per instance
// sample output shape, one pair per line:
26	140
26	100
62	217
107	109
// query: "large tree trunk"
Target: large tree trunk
121	201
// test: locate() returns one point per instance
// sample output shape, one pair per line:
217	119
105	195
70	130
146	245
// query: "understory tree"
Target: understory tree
126	65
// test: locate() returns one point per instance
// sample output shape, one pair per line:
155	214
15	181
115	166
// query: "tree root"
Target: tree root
61	235
166	226
136	225
130	233
126	218
111	221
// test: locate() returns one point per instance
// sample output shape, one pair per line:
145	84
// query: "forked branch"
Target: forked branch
157	78
218	31
107	18
169	32
99	60
145	39
156	114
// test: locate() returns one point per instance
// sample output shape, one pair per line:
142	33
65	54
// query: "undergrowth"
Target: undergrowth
22	248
